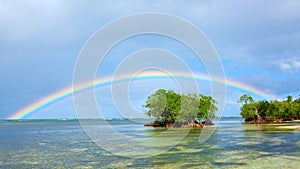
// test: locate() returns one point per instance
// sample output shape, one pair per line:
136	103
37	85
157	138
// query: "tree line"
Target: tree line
166	106
264	111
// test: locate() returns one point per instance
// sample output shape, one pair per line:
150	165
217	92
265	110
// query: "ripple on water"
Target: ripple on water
298	143
247	143
31	162
78	150
83	167
274	161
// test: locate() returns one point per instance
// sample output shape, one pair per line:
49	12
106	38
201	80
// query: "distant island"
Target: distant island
171	109
262	111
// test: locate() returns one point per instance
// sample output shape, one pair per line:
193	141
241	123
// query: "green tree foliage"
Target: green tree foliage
157	104
207	107
245	99
249	108
168	106
248	111
297	107
273	110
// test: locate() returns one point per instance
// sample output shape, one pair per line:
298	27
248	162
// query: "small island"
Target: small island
263	111
171	109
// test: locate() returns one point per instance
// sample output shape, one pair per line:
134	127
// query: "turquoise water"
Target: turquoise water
63	144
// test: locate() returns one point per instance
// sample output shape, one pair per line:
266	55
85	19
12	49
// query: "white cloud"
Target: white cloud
21	19
290	65
284	67
297	64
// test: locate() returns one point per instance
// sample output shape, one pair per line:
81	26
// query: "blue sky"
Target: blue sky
258	43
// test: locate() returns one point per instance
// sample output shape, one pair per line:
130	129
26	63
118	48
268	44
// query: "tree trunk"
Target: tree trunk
257	118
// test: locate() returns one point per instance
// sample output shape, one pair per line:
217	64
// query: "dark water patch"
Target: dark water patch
229	163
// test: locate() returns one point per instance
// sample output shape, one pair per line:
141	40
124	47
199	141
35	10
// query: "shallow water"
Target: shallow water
64	144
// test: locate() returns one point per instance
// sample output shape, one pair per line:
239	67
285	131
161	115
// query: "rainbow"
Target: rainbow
101	82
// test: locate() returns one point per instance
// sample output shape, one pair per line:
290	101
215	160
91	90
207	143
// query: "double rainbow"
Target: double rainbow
101	82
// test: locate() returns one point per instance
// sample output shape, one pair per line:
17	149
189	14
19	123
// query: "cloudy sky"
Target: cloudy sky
258	43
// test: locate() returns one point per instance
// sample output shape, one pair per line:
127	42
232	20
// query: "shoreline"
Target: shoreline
176	125
179	124
269	121
288	125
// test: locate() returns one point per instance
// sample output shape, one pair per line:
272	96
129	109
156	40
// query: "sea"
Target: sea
122	143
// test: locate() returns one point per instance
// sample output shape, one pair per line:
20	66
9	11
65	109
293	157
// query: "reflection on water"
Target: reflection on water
63	144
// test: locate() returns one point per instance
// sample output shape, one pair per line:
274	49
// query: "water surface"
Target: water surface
63	144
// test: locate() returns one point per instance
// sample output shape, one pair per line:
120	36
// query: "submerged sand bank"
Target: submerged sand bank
289	127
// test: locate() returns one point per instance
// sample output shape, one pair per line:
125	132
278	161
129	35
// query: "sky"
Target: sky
258	42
